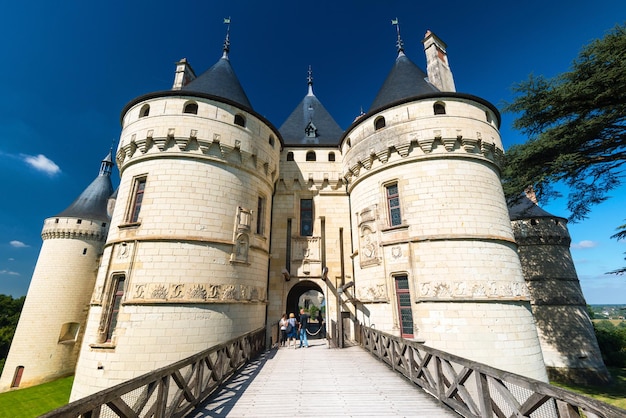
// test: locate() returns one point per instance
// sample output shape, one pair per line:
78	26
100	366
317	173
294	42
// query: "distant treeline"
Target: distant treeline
9	315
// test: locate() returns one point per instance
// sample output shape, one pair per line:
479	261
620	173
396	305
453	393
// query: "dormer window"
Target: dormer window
379	123
191	108
290	156
240	120
310	156
331	156
145	111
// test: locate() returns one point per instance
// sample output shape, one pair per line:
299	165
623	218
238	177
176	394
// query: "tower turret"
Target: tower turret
568	341
435	258
47	340
185	264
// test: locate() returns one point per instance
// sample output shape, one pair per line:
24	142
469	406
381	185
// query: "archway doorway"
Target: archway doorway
309	296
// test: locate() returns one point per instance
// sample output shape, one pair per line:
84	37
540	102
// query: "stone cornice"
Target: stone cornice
73	233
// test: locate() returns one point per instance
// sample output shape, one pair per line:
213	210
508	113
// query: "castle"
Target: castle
222	221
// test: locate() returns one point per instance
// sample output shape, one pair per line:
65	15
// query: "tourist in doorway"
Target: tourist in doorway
282	324
304	322
292	330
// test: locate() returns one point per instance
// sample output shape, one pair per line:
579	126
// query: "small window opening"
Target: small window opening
488	116
191	108
272	141
56	221
331	156
290	156
69	332
84	251
104	224
310	156
79	221
379	123
145	111
439	108
17	377
240	120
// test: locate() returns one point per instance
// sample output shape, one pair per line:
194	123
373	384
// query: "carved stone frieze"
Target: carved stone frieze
472	290
195	292
372	294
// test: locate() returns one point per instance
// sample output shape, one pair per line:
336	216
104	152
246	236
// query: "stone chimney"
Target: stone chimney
184	74
437	67
530	194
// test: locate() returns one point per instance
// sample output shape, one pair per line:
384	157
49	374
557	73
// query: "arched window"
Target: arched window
145	111
240	120
272	141
310	156
290	156
439	108
379	123
331	156
488	116
191	107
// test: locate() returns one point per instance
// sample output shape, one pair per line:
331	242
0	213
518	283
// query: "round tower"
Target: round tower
47	341
435	258
568	341
185	263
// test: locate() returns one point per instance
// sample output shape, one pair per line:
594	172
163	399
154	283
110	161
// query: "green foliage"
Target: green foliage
576	124
36	400
612	343
10	310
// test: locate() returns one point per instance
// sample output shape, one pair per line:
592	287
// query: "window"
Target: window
393	204
17	377
488	116
439	108
69	332
310	156
84	251
79	221
379	123
405	313
290	156
331	156
191	107
145	111
137	198
306	217
240	120
271	141
260	215
114	307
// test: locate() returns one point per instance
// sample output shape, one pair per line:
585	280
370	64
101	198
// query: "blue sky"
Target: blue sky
69	68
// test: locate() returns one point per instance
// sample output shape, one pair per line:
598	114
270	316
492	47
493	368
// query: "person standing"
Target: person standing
283	330
292	330
304	322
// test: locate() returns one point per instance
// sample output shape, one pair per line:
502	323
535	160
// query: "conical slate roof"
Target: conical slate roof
220	80
403	81
310	123
523	208
92	202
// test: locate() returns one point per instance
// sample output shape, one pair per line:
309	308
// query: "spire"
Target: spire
226	48
106	167
309	80
399	43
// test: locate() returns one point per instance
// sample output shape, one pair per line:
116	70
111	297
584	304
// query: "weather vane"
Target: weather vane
227	40
399	43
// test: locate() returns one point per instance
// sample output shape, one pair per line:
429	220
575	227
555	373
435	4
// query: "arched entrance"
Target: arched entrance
308	295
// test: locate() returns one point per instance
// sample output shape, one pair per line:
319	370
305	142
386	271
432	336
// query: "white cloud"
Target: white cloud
42	163
11	259
584	244
18	244
9	273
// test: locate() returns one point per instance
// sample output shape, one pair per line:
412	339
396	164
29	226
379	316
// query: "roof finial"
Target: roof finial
226	48
309	80
399	43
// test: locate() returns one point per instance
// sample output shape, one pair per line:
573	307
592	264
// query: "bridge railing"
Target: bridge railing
171	391
477	390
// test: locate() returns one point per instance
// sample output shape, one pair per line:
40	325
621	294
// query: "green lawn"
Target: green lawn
37	400
614	394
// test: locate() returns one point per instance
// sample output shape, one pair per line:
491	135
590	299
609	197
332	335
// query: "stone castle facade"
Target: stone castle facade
221	221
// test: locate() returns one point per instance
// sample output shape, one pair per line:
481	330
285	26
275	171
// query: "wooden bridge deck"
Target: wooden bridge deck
320	382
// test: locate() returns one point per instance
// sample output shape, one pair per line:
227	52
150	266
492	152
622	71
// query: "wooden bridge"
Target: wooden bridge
386	376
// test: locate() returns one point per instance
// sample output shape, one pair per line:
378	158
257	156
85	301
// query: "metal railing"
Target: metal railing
476	390
170	391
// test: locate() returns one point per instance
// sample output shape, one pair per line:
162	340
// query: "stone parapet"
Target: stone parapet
72	228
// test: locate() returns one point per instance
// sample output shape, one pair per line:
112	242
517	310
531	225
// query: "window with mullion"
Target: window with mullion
405	313
139	188
393	205
114	308
306	217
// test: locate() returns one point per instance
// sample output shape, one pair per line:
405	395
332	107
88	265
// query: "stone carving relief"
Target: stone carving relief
196	292
473	290
368	238
375	293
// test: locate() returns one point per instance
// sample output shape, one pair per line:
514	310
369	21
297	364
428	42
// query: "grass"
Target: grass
36	400
614	394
